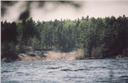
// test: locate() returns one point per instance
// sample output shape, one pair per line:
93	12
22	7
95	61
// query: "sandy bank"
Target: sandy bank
53	55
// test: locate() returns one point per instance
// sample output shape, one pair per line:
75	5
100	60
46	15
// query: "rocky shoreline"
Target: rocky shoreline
53	56
49	55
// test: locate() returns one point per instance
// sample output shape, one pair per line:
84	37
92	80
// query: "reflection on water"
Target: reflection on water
77	71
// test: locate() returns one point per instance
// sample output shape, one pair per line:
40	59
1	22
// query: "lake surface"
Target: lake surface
77	71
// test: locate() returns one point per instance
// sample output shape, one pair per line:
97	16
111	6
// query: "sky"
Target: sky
52	11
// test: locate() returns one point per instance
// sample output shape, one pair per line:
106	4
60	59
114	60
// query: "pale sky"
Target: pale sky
92	8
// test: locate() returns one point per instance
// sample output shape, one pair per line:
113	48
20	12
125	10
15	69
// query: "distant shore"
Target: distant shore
54	56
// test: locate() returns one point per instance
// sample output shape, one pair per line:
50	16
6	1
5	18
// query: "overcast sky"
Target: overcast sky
92	8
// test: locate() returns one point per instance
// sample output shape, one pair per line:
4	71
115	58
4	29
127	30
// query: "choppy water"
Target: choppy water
78	71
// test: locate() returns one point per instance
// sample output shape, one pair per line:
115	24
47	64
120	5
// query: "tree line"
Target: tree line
99	37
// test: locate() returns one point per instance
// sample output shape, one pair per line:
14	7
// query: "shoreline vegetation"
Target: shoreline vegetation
85	38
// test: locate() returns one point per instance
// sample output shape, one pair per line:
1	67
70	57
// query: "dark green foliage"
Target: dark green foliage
8	40
100	37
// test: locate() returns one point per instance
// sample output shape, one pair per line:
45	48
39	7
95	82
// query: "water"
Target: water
78	71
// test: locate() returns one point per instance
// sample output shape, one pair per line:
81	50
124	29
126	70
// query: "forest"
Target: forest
99	37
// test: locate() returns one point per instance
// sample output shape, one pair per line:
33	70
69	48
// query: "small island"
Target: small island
98	38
